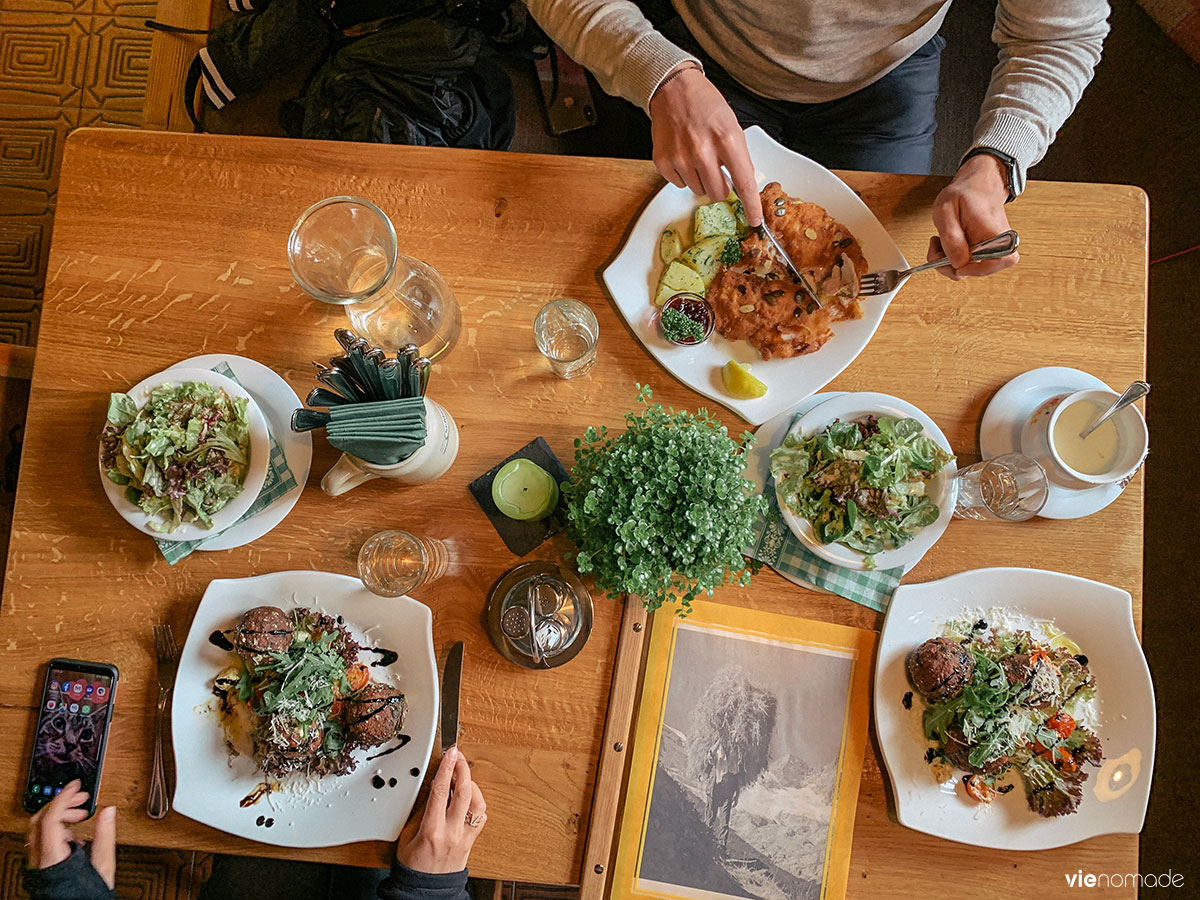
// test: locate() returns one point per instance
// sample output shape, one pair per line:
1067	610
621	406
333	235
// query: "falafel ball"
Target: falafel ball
375	715
264	629
940	668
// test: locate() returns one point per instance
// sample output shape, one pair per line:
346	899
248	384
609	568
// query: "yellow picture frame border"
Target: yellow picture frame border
858	643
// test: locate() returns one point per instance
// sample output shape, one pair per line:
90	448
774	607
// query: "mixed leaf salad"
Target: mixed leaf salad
1002	701
181	457
862	484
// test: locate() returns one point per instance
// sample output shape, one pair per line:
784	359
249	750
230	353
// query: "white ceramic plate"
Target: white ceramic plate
330	811
632	277
277	401
1099	619
256	474
1006	415
850	407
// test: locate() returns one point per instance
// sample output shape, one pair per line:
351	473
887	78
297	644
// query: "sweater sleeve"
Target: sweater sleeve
1048	52
72	879
614	41
407	884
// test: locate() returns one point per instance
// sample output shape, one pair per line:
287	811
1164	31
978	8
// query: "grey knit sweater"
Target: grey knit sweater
811	51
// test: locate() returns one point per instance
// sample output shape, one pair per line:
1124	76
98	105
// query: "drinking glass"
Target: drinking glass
343	250
392	563
1008	488
566	332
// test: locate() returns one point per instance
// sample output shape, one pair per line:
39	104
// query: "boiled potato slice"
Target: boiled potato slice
669	245
705	257
678	279
739	213
715	219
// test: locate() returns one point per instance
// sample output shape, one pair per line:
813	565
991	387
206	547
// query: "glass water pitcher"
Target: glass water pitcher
343	250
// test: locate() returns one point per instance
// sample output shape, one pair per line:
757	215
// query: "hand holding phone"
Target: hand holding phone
50	835
74	715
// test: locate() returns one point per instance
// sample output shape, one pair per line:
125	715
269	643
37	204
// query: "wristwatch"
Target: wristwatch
1012	177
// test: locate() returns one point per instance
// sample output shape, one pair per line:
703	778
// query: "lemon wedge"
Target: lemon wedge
1058	639
740	383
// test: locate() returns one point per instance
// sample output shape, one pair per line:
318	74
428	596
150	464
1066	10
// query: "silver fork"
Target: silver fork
167	652
883	282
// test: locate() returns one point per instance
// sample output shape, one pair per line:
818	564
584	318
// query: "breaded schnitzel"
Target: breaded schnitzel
758	300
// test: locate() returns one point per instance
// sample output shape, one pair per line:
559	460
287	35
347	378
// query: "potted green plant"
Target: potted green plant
663	509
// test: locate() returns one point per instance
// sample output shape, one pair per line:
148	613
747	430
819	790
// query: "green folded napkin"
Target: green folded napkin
382	432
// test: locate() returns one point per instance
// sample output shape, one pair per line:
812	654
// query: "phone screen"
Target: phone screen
71	732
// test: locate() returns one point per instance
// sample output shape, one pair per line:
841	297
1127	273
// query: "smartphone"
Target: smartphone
72	728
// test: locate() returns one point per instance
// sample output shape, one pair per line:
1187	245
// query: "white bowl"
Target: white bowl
850	408
1037	440
256	473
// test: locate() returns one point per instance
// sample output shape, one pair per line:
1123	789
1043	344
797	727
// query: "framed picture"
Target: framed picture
746	760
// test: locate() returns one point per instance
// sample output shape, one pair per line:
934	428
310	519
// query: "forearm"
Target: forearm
72	879
614	41
406	884
1048	52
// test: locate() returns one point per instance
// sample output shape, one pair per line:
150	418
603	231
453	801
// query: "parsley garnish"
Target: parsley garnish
680	327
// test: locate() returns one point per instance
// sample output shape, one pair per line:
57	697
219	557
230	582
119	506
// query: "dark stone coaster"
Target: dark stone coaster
521	537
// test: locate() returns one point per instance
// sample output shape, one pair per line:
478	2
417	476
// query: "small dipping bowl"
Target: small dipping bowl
1133	440
695	308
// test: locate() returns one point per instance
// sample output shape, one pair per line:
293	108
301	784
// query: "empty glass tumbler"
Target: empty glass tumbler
392	563
1008	488
343	251
566	332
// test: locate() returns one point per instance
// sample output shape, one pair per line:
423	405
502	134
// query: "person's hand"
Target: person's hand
50	834
455	814
970	209
695	133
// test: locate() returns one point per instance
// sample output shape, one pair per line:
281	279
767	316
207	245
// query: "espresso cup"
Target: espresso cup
1133	441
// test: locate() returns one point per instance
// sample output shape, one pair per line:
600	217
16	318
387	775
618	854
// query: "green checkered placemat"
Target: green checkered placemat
279	481
775	545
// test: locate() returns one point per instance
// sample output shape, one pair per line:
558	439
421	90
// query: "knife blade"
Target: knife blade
764	231
451	682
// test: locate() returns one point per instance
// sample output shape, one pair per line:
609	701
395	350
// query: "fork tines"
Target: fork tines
165	647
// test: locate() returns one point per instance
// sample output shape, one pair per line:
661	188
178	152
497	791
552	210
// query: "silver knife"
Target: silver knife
451	682
764	231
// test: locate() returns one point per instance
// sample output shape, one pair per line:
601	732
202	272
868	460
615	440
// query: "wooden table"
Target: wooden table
167	246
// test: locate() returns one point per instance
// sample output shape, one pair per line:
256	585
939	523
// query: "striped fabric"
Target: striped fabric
214	85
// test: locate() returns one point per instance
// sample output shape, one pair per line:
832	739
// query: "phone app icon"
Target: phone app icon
47	791
57	791
37	789
85	709
88	689
54	685
74	707
51	704
100	690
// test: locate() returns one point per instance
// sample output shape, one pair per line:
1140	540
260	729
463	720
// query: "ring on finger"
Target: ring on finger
474	820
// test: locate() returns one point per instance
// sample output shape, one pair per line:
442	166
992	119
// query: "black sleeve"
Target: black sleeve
407	884
72	879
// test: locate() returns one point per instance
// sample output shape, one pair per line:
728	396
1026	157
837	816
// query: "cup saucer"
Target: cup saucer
1010	409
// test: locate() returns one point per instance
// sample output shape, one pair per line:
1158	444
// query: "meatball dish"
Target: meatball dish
1008	706
306	700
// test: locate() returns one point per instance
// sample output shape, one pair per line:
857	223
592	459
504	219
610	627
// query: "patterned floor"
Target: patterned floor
63	64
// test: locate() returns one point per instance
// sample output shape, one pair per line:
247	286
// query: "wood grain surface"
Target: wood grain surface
169	245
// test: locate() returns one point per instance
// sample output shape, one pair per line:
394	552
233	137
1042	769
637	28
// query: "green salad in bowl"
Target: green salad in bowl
868	482
182	454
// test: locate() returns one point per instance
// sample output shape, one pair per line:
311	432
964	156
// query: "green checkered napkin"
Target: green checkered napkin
775	545
279	481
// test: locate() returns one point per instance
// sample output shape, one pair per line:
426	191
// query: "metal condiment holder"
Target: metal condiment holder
538	615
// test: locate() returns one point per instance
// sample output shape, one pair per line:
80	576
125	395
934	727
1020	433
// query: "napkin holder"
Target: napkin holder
428	463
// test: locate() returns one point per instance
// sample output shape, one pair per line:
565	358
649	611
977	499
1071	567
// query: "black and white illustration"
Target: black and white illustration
747	768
